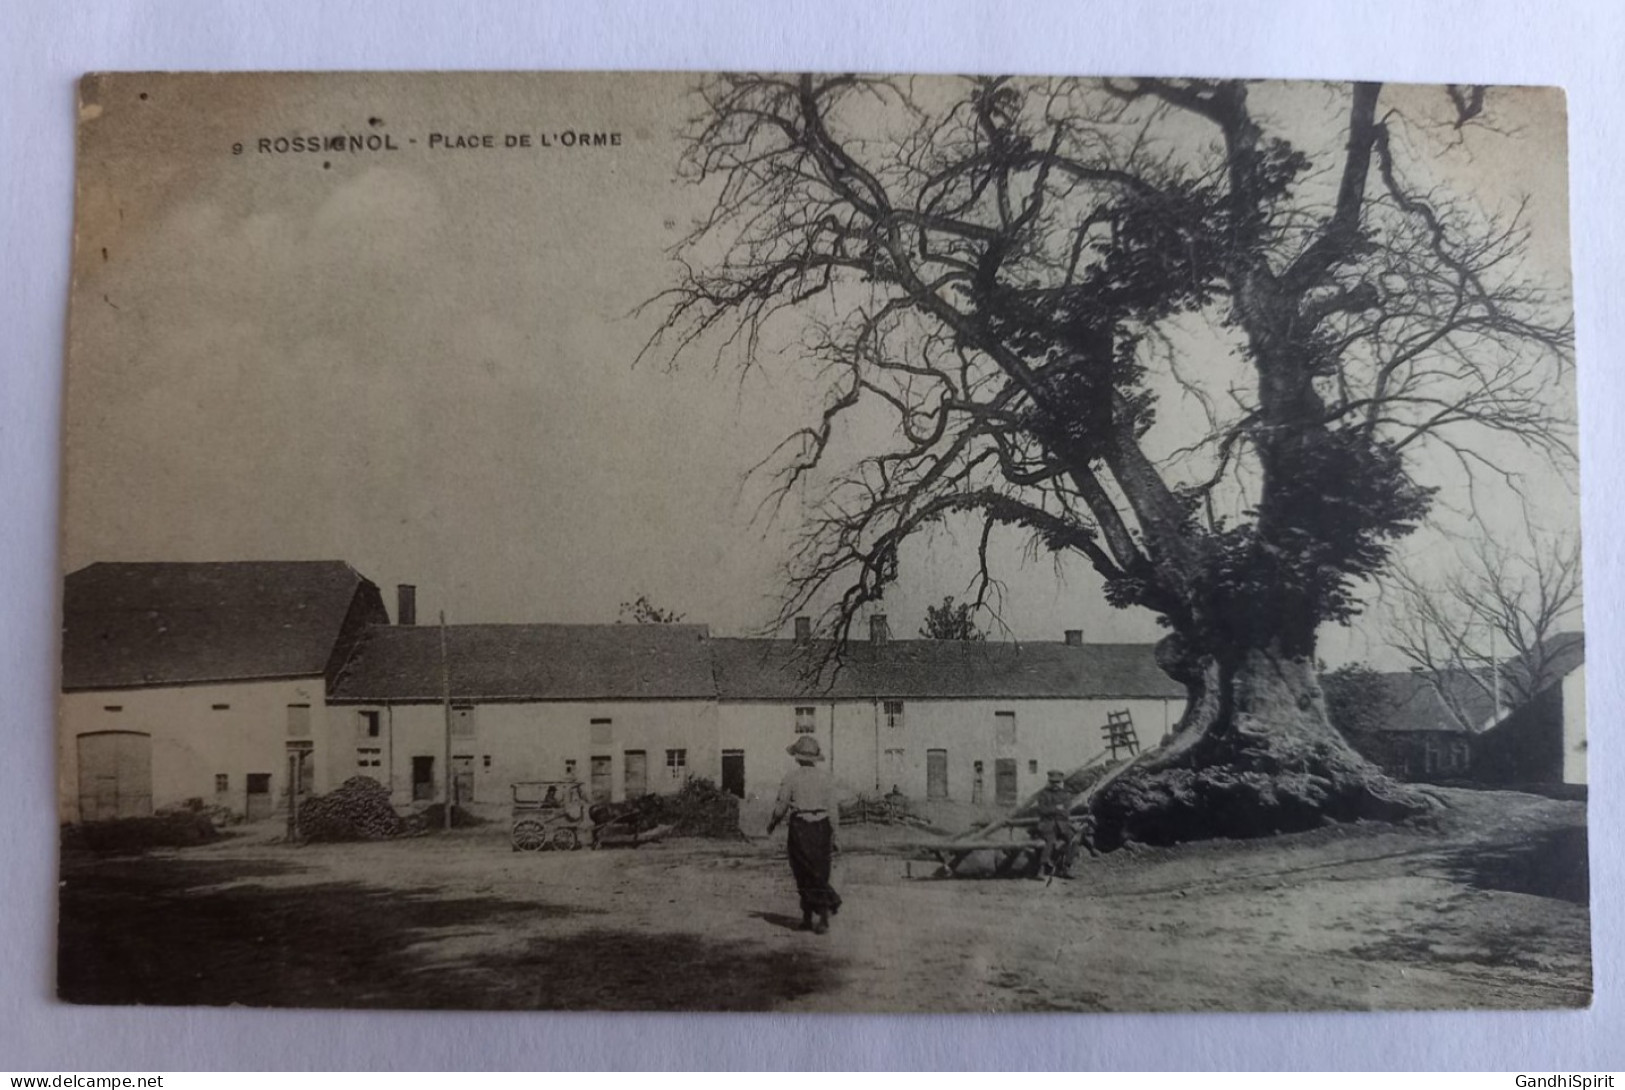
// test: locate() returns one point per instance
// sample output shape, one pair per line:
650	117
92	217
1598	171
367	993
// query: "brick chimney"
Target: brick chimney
879	631
1074	637
406	604
803	629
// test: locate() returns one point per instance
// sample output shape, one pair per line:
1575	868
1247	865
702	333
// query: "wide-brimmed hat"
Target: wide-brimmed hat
805	749
1056	776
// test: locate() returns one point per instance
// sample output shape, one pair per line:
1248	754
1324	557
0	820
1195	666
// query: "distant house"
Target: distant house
1543	742
203	680
1421	738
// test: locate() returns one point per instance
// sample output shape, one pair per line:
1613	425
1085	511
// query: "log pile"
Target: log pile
358	809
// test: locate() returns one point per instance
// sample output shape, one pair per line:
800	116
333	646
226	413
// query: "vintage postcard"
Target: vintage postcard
821	542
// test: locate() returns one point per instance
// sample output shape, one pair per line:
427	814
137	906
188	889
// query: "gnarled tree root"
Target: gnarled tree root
1242	786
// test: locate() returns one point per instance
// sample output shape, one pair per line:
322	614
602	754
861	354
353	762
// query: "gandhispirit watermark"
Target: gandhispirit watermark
1564	1082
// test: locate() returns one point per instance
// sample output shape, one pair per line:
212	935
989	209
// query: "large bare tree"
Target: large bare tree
1011	270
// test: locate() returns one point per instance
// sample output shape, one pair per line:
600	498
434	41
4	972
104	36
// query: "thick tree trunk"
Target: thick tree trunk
1254	755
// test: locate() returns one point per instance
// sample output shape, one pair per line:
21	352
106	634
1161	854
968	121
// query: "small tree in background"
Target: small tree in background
951	621
643	611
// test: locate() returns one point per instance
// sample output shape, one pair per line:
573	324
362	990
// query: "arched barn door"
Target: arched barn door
115	775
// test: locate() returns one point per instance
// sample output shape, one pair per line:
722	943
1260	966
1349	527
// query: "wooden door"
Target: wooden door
1004	781
733	772
115	775
936	773
601	788
637	773
462	778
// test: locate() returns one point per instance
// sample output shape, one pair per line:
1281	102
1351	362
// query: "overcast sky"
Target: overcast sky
421	360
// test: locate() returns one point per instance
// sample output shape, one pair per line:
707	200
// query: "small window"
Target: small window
806	720
369	757
1005	728
220	707
676	762
112	707
222	783
367	724
462	721
978	767
486	761
602	731
894	714
298	720
569	769
259	783
1032	766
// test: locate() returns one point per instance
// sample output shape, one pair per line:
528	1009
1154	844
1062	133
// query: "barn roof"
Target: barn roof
529	662
930	669
128	625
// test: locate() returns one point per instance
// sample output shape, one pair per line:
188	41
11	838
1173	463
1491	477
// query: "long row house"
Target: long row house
238	683
233	682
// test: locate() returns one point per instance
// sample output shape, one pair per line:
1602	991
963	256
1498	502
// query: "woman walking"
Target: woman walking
807	801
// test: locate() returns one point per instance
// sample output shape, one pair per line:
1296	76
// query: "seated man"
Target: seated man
1054	806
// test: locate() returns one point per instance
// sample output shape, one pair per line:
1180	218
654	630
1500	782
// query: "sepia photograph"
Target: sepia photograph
820	542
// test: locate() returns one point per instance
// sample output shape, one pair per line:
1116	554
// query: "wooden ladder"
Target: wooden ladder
1119	733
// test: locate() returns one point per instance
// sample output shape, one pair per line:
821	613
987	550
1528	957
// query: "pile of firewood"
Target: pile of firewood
358	809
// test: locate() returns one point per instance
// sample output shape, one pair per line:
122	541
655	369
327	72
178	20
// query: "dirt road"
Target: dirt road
1488	908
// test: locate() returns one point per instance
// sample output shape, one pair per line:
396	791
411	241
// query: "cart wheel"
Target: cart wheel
565	840
529	836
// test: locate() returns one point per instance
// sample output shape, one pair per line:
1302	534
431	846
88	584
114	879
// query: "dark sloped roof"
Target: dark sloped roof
530	662
678	662
1415	704
129	625
921	669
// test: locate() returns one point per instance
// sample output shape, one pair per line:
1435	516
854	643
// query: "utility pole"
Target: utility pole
1495	671
445	700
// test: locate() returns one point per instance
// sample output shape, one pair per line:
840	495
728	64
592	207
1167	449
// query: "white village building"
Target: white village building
229	682
635	708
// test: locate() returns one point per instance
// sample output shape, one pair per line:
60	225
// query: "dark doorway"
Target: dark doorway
259	796
1004	781
301	771
733	772
422	779
936	773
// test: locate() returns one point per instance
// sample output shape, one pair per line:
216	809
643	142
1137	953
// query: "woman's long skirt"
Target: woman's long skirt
811	846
